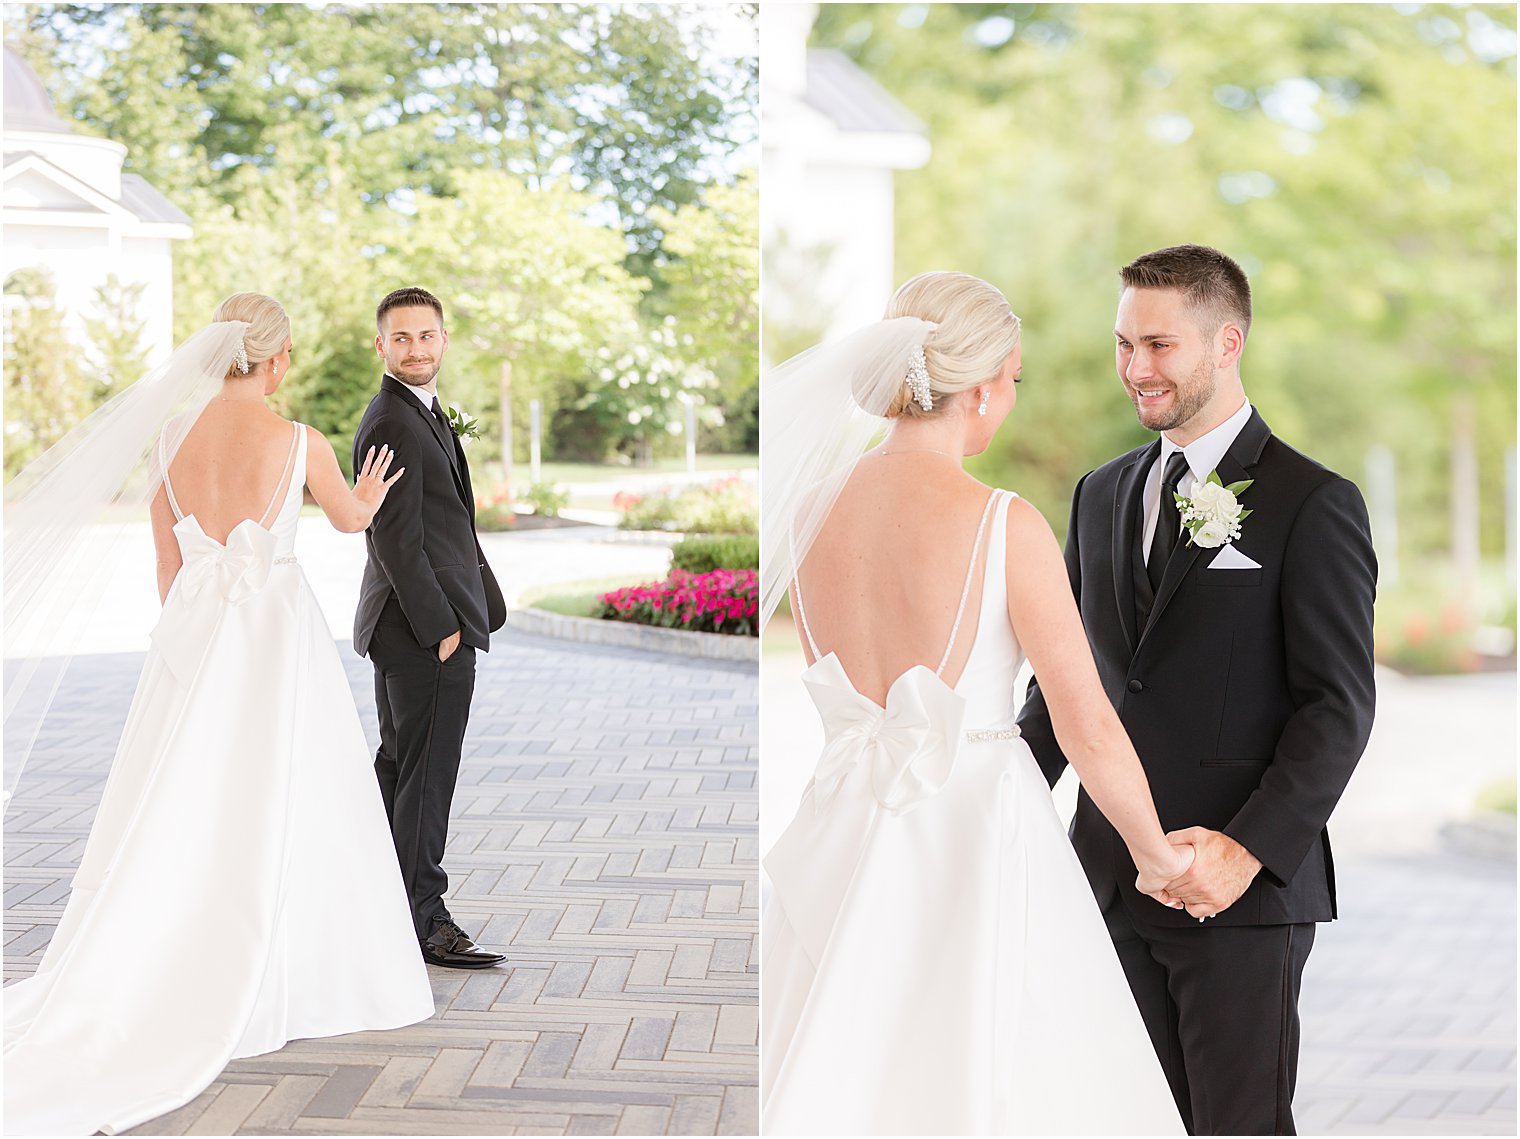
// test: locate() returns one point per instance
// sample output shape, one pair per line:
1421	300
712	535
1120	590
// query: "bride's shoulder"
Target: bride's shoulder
1025	521
1024	518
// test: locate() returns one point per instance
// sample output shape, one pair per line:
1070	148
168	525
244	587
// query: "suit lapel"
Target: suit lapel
443	434
1128	499
1234	467
462	473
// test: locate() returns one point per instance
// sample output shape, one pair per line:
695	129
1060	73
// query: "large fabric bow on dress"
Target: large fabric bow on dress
213	577
907	748
906	751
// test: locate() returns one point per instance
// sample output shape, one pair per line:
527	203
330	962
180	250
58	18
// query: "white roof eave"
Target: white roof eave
62	178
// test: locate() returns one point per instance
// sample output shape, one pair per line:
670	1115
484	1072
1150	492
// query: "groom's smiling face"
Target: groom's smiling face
1163	357
412	342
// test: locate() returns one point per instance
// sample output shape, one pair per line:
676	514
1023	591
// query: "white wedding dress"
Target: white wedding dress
934	961
239	888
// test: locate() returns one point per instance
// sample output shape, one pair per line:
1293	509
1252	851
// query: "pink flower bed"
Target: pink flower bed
722	601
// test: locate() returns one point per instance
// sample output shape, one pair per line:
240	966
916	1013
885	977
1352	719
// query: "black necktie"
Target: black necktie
438	412
1168	520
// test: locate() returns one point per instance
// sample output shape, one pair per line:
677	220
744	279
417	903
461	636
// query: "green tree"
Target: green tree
533	287
309	144
1358	160
46	390
607	98
115	330
710	266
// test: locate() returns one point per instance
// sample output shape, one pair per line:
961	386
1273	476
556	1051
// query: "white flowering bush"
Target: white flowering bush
643	387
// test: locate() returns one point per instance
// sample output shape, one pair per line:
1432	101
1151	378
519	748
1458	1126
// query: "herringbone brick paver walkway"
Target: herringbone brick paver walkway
603	834
1409	1001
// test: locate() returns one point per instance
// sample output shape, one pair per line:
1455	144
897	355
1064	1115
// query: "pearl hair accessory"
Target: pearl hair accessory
982	407
240	356
918	378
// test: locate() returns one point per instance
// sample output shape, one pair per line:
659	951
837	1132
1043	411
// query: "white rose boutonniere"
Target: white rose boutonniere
1212	513
463	424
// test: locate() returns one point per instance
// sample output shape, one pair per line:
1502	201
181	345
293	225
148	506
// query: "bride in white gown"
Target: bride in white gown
933	959
239	888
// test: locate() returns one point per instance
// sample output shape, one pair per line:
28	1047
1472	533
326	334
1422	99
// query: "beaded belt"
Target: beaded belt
986	735
286	560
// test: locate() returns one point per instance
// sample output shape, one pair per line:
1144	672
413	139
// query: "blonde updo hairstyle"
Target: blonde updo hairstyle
977	330
268	327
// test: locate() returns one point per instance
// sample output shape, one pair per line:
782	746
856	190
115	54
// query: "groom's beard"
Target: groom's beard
1191	398
417	375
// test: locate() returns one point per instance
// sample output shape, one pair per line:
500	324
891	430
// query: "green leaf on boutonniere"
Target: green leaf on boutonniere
1214	478
1244	514
1239	488
463	424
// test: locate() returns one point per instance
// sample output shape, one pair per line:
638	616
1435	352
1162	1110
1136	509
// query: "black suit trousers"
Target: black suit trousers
424	705
1221	1006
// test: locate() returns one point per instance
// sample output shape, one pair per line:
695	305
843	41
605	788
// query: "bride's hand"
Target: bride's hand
1152	880
371	486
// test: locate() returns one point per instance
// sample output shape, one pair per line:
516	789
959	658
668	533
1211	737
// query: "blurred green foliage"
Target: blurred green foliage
545	499
727	506
702	553
554	172
1358	160
1498	797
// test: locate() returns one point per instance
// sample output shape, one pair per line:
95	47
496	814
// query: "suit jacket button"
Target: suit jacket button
1136	686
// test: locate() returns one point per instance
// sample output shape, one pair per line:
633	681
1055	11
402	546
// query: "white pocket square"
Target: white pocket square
1230	558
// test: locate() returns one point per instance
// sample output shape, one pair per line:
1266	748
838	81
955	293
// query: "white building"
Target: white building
830	139
69	209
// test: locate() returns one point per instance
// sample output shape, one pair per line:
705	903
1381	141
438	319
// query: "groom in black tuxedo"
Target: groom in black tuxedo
427	603
1243	674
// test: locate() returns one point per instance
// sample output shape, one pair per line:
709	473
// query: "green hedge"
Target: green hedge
704	553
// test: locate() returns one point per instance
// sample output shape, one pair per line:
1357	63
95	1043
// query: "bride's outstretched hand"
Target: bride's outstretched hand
371	486
1152	880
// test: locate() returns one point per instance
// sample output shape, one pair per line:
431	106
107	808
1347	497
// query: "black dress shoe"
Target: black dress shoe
450	947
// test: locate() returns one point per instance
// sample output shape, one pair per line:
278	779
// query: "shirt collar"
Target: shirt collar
1204	453
421	393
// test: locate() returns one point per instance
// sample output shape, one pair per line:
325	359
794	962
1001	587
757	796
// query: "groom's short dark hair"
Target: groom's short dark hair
1213	283
409	297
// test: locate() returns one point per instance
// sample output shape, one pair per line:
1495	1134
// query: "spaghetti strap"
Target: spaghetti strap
802	614
163	465
283	487
960	610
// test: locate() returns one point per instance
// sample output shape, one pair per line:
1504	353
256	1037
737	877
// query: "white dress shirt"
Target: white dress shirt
1203	455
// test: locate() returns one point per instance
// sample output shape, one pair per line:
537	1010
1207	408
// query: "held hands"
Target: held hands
371	486
447	646
1221	871
1153	880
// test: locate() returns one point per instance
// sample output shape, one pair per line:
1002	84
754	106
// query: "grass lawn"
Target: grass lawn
576	598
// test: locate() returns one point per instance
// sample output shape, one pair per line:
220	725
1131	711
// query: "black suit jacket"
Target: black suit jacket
423	552
1249	693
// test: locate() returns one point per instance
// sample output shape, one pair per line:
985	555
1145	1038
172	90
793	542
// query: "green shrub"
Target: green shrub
724	507
702	553
546	499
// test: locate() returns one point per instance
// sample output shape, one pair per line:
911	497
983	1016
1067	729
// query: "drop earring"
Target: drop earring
982	407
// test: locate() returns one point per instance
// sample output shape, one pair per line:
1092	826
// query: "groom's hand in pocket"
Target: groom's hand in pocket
447	646
1222	870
